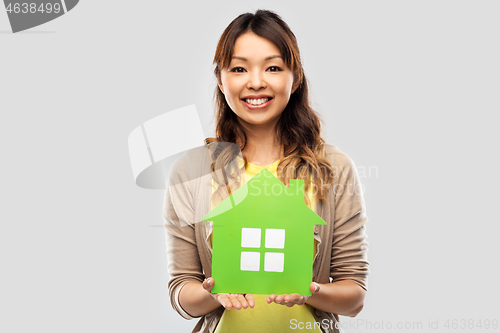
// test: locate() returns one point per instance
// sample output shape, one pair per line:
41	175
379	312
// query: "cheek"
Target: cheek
231	92
284	86
231	87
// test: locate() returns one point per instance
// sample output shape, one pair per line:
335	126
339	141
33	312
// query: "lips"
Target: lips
259	106
257	101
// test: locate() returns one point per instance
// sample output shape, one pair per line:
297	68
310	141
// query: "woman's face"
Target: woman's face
258	84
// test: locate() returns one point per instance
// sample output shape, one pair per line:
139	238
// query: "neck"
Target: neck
262	146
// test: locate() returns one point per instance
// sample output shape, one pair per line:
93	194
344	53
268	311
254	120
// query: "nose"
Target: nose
256	80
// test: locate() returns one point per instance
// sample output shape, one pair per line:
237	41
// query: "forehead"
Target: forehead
254	47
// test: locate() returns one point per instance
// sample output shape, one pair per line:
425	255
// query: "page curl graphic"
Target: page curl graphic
26	14
157	143
177	136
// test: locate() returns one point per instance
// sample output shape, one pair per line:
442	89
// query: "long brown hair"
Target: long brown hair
298	128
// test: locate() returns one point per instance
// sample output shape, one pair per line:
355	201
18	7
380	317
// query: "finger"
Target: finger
208	284
243	301
280	299
300	300
271	298
293	298
234	301
314	287
224	301
250	300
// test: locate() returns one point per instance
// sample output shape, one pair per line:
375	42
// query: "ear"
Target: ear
219	83
295	86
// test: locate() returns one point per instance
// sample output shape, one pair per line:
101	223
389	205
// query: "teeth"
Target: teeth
256	101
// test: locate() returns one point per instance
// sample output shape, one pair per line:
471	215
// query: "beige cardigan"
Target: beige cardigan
342	245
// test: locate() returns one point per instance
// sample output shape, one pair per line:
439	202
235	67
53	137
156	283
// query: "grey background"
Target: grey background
408	87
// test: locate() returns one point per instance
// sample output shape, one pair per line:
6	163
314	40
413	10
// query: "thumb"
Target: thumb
208	284
314	287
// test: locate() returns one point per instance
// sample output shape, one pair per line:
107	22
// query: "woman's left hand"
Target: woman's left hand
293	299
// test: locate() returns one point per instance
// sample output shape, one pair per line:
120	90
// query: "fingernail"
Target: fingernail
316	287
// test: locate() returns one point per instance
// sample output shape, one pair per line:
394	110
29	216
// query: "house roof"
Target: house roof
265	189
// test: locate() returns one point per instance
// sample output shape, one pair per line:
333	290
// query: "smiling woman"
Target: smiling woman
257	84
262	108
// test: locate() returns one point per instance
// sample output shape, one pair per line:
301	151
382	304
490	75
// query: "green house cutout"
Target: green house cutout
263	238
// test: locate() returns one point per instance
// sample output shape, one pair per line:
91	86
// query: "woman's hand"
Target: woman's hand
228	301
293	299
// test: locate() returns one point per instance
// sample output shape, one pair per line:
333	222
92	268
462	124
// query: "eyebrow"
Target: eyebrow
268	58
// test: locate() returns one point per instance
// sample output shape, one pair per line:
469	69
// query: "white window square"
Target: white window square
250	237
250	261
275	238
274	262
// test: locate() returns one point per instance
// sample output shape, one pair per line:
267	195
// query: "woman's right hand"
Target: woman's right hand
228	301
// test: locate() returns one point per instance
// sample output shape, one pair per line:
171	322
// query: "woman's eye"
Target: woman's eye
237	69
274	69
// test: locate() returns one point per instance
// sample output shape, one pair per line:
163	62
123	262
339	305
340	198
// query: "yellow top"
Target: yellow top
267	318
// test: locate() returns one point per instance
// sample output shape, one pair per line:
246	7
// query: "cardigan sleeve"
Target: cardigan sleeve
349	245
184	263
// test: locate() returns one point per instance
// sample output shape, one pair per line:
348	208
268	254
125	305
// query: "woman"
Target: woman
262	108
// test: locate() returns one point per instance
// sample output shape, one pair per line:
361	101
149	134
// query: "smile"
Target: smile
257	103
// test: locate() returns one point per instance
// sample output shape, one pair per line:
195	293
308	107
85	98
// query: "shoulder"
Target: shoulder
192	163
192	156
337	158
